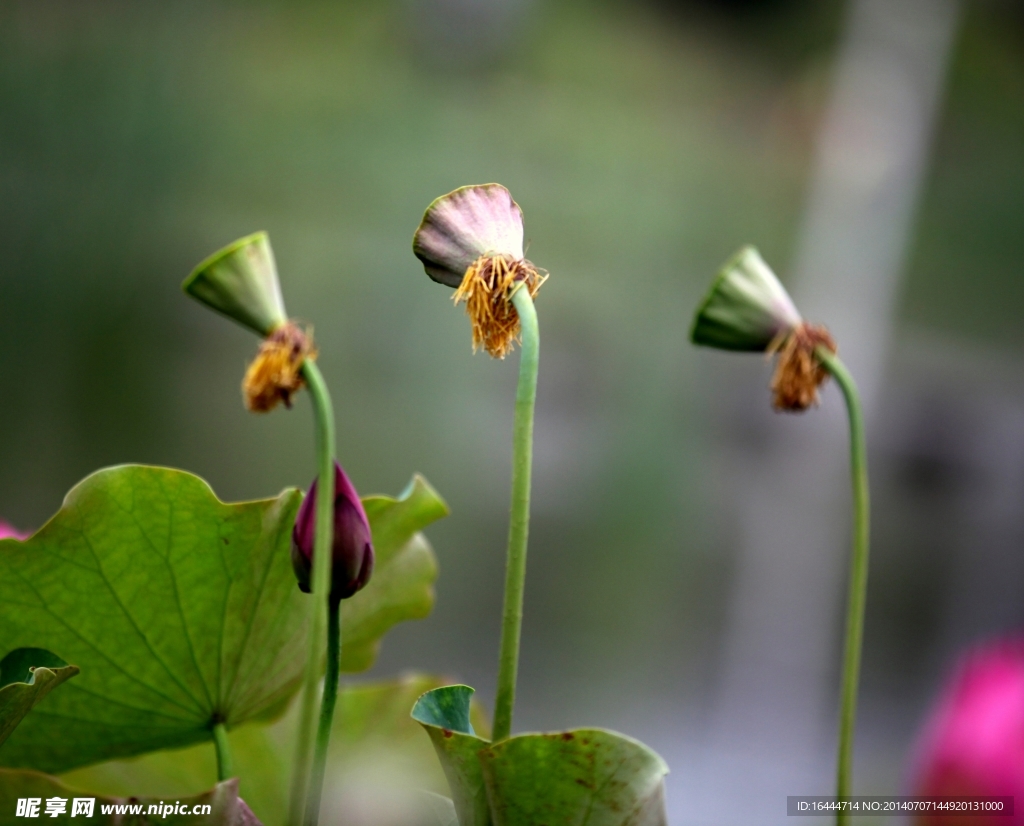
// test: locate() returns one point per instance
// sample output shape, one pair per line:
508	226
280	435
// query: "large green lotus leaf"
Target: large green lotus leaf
372	727
26	676
590	777
445	714
179	609
226	807
404	572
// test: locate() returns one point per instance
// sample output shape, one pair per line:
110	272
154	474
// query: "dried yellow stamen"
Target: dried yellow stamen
799	373
275	374
487	289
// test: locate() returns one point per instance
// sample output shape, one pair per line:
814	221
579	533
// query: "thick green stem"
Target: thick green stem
323	413
858	586
323	734
220	742
519	520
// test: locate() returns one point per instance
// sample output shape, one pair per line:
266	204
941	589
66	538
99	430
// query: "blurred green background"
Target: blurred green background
644	141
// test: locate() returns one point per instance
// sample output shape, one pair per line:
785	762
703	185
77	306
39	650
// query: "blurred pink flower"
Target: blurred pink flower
973	742
10	532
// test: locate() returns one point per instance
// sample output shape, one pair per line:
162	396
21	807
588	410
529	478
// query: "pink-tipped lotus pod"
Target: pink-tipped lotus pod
973	742
465	224
472	239
353	544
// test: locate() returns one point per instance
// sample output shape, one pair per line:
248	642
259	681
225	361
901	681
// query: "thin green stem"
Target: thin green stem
519	520
323	413
220	742
858	585
323	734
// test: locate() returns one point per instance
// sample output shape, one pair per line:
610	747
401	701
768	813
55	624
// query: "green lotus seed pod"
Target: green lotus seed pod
747	308
240	281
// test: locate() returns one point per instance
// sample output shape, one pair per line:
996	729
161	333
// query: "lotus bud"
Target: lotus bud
472	239
353	544
240	282
748	309
973	741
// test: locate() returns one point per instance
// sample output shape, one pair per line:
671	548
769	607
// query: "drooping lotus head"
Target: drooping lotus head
973	741
472	239
352	552
747	309
240	281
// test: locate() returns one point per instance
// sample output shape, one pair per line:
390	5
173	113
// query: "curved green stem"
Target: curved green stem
323	413
858	586
220	742
519	520
323	734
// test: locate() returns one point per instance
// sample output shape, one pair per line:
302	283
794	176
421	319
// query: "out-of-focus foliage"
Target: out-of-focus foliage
643	141
377	752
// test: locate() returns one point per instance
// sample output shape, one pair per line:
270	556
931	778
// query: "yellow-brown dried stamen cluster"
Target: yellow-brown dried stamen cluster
799	372
487	289
276	372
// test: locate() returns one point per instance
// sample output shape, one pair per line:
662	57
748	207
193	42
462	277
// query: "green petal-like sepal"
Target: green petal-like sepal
444	713
746	308
461	226
240	281
583	775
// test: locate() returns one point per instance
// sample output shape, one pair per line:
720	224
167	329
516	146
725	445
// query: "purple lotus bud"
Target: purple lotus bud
353	544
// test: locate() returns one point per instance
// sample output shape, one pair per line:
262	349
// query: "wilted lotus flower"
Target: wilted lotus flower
748	309
353	544
10	532
472	239
240	281
973	742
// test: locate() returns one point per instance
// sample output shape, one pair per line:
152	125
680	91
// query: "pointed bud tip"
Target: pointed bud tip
746	309
240	281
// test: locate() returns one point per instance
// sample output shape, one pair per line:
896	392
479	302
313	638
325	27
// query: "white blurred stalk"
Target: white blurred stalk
775	722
